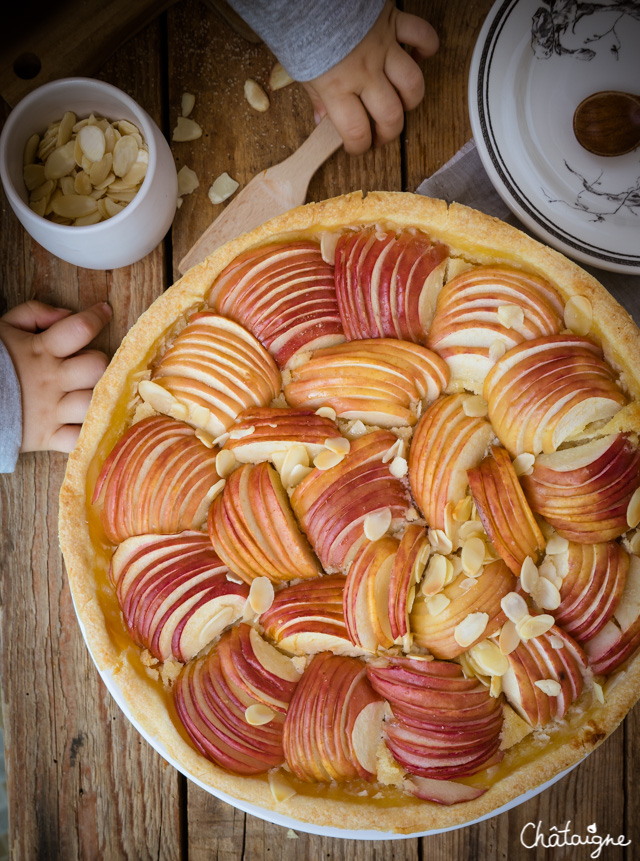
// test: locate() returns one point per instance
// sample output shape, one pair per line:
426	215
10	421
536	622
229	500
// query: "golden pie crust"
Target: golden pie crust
469	234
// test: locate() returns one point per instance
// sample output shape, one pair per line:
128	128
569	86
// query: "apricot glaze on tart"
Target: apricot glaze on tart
353	521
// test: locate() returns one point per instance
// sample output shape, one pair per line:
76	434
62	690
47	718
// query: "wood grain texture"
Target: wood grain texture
82	782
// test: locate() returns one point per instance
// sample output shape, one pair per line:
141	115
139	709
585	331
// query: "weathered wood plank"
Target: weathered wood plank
82	783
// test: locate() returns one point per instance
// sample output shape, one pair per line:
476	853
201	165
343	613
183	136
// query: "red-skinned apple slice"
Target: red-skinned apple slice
445	792
475	309
408	567
213	694
253	529
538	660
331	505
593	581
174	593
387	283
308	618
334	722
380	381
213	370
438	632
619	639
156	463
444	725
366	595
584	491
504	510
543	391
446	443
284	293
261	432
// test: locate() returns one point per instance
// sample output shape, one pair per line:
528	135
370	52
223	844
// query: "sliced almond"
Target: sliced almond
497	349
598	692
82	183
261	595
470	629
279	77
298	473
358	428
67	185
296	455
472	556
440	541
30	150
92	142
514	607
523	463
377	524
489	659
86	220
435	576
222	188
509	638
535	626
475	406
550	687
634	543
156	396
256	96
510	316
215	490
65	129
179	412
338	444
398	467
495	688
258	714
528	575
633	510
225	463
470	528
186	130
326	413
241	433
125	153
187	180
392	451
125	127
74	206
462	509
578	315
556	545
546	595
205	438
437	603
556	643
112	208
38	206
187	103
61	162
327	459
280	787
33	176
137	173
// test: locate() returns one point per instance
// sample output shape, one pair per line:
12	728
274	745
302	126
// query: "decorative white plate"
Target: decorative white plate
534	62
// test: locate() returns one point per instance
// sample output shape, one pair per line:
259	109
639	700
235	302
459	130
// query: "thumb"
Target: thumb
319	109
33	315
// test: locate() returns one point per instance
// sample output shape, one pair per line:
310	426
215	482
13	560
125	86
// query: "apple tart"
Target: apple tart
352	524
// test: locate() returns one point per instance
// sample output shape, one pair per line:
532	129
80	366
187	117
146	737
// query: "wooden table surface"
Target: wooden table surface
82	783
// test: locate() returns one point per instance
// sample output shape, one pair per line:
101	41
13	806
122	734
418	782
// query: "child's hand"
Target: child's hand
377	80
56	374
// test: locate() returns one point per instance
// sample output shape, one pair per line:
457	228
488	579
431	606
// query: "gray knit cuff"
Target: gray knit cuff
308	37
10	413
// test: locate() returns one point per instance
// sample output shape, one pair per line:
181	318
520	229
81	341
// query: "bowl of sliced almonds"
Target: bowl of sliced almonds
88	173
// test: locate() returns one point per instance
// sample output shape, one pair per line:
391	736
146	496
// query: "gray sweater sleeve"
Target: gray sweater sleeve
10	413
310	36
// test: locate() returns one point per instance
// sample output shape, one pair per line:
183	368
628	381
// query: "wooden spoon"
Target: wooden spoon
268	194
608	123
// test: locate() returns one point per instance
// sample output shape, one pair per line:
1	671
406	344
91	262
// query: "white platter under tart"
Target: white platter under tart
534	62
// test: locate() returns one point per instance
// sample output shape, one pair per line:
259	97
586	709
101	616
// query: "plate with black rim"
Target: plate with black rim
534	62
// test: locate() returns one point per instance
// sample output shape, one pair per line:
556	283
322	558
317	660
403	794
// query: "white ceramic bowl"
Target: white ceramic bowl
129	235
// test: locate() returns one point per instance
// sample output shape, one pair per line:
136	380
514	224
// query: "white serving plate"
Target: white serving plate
272	816
530	69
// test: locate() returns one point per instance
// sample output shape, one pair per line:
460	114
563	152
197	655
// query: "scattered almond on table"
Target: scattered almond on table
81	172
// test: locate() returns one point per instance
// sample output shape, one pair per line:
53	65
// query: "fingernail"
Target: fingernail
316	117
106	308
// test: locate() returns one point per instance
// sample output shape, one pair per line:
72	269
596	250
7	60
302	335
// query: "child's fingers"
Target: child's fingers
64	439
33	315
319	110
352	122
385	108
82	371
415	31
72	407
73	333
405	75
